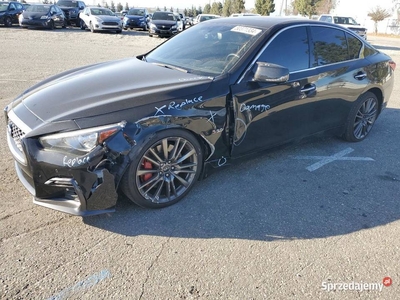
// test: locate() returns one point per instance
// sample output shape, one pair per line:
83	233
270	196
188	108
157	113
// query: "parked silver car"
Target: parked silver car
100	19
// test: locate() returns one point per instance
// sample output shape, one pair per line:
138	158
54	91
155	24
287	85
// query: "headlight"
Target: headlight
81	140
173	27
44	17
153	26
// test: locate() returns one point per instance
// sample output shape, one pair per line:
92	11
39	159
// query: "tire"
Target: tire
118	31
64	24
361	118
51	25
150	35
7	22
83	26
145	28
91	27
78	22
163	170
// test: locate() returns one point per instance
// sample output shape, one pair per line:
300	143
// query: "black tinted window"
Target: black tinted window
330	45
355	47
289	49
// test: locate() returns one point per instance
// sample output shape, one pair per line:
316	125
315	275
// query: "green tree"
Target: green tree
98	5
112	7
106	5
126	6
326	6
378	14
265	7
199	10
171	9
185	12
237	6
119	6
207	8
306	7
165	8
216	8
227	9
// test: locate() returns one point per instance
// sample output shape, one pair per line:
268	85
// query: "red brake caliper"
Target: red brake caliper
147	166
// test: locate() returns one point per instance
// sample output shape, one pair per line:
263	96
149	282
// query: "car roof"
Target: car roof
264	22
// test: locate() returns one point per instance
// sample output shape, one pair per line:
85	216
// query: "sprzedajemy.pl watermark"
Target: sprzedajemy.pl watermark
356	286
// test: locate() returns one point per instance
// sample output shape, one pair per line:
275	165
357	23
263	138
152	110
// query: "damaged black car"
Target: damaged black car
151	126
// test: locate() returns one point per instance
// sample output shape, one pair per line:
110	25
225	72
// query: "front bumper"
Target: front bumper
35	23
79	185
106	26
163	33
132	23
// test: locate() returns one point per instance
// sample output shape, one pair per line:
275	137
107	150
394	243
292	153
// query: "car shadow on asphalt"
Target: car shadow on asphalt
273	197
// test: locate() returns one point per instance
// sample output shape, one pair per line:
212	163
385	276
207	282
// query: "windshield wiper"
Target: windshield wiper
172	67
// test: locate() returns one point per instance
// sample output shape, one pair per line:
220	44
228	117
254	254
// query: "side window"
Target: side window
12	6
355	47
19	6
329	45
289	49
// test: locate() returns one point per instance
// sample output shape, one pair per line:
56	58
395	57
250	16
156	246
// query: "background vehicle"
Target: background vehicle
204	17
347	22
43	16
152	125
9	12
163	24
180	22
136	18
71	9
245	15
100	19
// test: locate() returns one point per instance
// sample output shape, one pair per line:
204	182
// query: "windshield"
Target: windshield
136	12
344	20
3	6
163	16
67	3
211	48
101	12
38	8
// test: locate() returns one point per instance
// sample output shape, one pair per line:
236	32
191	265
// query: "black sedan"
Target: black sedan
163	24
151	126
43	16
9	12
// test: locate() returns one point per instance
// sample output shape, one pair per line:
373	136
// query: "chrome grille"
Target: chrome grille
16	133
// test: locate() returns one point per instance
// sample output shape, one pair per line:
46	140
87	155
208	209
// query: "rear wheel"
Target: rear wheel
361	118
7	22
164	170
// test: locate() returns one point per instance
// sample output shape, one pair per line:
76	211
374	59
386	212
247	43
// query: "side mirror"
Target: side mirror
267	72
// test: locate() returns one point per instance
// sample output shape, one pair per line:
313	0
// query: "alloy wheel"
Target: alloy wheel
365	118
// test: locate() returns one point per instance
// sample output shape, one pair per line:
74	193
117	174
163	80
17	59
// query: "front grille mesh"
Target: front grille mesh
110	23
16	133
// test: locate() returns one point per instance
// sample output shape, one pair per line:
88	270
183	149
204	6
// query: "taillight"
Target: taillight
392	64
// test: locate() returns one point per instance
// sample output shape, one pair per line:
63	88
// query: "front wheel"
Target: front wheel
7	22
164	169
83	26
91	27
361	118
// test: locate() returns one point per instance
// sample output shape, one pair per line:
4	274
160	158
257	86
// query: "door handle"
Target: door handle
360	76
308	88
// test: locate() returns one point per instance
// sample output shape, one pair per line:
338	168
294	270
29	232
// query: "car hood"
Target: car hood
107	18
35	15
134	17
353	27
106	88
163	22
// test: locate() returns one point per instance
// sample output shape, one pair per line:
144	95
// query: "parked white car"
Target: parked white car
100	19
204	17
347	22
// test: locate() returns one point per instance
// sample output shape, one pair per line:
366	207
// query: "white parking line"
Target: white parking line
82	285
323	160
